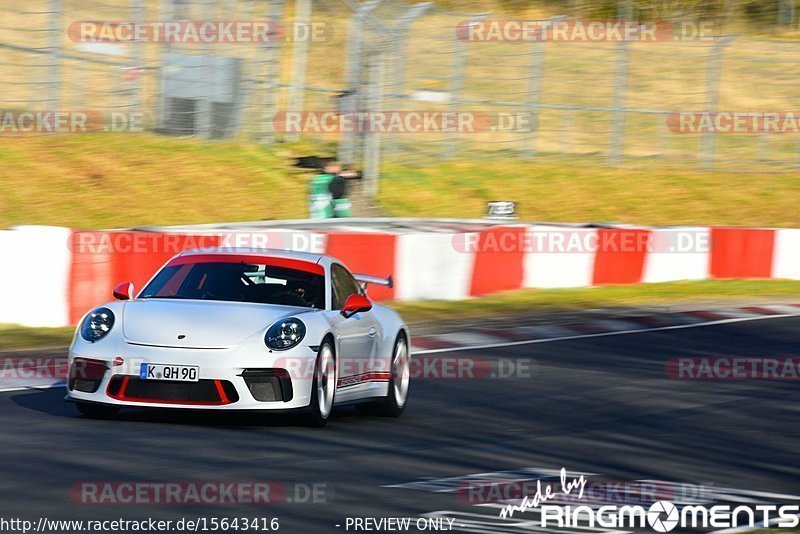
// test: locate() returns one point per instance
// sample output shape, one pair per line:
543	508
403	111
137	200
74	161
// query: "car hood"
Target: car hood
204	323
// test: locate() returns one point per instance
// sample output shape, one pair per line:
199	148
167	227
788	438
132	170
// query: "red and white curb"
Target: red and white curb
75	270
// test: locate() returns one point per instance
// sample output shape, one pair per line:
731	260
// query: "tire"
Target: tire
98	411
399	382
323	388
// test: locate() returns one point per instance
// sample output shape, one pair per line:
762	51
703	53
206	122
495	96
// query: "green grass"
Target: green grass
570	192
122	180
516	303
119	180
13	337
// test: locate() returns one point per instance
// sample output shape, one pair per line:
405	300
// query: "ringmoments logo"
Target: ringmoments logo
660	516
663	516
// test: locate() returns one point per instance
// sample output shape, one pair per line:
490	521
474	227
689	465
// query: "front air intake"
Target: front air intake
201	393
85	375
269	385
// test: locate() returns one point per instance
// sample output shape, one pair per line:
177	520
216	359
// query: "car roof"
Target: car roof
264	252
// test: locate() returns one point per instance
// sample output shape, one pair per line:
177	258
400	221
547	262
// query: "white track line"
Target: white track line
603	334
42	386
535	341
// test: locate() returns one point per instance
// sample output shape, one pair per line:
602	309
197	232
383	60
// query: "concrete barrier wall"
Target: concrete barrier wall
34	276
53	276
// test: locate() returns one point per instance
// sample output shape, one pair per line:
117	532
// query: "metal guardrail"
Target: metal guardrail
392	224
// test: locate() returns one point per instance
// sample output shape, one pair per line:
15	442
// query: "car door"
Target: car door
357	334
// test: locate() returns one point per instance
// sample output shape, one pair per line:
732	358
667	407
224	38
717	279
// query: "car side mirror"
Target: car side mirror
124	291
355	304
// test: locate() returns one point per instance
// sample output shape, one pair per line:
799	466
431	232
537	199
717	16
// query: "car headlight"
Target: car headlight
97	324
285	334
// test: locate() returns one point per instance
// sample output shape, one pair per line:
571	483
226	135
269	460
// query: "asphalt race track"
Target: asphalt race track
605	406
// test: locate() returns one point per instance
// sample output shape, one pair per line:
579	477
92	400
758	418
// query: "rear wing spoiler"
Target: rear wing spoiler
364	279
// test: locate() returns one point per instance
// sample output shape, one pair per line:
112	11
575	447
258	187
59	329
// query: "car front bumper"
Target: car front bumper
244	378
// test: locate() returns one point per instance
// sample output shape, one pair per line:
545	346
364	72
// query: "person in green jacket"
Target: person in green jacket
320	197
327	195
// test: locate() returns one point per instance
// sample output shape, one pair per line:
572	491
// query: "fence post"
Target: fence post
162	107
272	73
708	140
372	140
400	38
299	60
456	91
348	140
534	95
136	60
204	125
625	10
616	148
55	33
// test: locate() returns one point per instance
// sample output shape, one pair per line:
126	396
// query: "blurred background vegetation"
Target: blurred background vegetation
750	16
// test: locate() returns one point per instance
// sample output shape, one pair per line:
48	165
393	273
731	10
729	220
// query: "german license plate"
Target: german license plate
179	373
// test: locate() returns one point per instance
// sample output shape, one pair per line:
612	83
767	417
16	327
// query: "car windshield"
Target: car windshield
239	282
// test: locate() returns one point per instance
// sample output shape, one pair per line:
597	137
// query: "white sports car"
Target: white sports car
243	329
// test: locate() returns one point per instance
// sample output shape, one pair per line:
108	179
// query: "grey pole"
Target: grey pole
400	43
55	32
299	60
136	60
708	140
347	141
616	148
204	125
272	59
536	76
372	140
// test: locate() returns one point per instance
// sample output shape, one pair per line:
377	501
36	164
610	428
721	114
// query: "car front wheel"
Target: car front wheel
323	388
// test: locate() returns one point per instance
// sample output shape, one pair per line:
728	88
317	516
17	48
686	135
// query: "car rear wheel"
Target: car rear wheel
323	389
399	381
97	411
